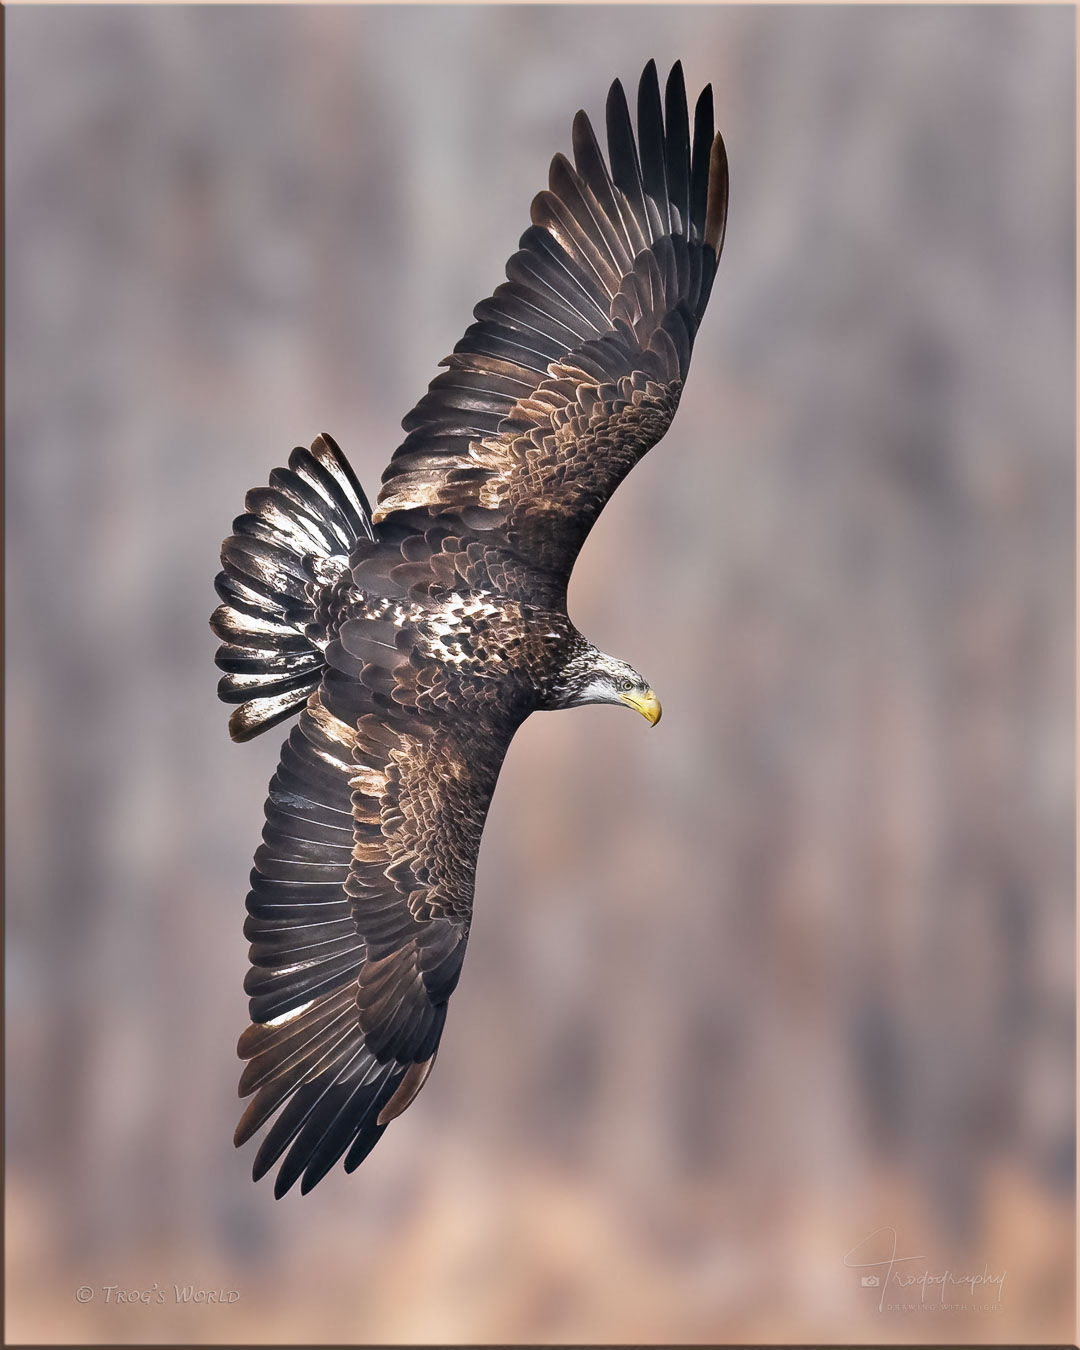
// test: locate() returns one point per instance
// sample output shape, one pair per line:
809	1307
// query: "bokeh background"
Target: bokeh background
796	966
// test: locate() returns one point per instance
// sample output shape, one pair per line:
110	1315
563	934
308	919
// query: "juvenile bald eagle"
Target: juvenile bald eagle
415	639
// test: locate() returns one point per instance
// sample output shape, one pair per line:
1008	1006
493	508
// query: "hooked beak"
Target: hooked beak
647	704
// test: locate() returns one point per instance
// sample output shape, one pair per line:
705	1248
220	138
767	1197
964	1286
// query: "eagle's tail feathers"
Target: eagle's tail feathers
288	550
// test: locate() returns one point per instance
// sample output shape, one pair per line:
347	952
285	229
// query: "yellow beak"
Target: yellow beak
647	704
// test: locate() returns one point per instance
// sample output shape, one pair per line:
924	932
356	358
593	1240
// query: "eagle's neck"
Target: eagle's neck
571	671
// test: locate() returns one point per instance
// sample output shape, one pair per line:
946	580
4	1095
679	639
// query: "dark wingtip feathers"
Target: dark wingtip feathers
677	146
668	162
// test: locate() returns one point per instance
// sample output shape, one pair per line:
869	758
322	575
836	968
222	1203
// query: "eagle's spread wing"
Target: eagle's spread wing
574	367
358	918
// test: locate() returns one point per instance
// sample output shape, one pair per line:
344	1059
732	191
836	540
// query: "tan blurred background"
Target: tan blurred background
796	966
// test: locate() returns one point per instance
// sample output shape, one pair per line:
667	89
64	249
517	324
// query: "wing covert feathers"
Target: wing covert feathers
285	554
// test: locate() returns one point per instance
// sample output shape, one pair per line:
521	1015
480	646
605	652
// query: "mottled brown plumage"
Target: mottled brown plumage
415	639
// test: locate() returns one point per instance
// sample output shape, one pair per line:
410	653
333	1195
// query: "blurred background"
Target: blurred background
797	966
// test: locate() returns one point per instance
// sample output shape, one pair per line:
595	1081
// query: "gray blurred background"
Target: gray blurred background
796	966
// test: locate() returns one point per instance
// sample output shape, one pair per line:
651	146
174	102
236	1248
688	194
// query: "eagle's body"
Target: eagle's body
414	640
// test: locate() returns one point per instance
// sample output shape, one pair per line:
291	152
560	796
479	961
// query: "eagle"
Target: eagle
414	639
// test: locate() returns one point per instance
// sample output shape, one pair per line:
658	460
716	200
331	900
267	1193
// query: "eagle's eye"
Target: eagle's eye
625	684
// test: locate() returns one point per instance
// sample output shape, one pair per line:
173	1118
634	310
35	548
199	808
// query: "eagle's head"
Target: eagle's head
591	677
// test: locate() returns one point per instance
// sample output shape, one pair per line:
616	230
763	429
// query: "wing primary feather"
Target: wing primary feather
699	163
563	211
296	1112
677	146
622	151
651	146
332	1043
270	1064
716	214
321	1063
594	176
316	1140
